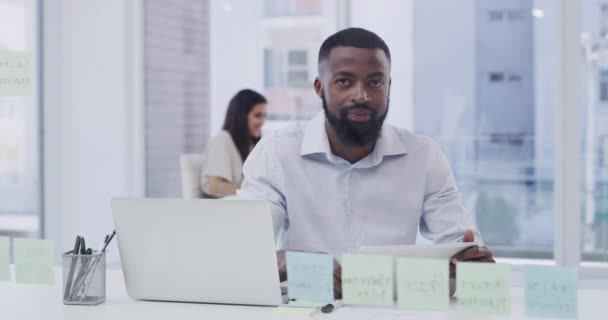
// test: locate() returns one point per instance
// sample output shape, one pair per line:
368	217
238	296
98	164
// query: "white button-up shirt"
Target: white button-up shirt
322	203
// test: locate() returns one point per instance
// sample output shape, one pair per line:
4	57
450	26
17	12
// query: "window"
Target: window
497	108
278	8
292	32
288	84
594	21
20	178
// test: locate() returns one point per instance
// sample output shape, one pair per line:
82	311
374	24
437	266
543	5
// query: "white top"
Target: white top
221	159
322	203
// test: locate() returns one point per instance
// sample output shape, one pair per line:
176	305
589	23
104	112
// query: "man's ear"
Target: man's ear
318	87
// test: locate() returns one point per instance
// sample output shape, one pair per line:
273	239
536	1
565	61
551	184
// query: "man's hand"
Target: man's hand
282	263
471	254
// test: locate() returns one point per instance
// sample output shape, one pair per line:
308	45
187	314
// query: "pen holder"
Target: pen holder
84	278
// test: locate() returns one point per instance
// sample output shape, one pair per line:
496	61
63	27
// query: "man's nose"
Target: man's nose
360	94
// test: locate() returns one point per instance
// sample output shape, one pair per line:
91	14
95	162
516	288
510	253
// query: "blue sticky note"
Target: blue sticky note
310	276
551	291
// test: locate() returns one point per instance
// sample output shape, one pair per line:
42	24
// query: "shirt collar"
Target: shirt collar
315	141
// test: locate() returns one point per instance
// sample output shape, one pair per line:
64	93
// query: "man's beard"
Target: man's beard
356	133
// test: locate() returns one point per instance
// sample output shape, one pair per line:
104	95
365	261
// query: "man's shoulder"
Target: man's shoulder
415	143
290	134
283	139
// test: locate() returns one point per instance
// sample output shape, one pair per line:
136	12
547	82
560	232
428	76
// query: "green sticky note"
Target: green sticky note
423	284
483	288
34	261
310	276
4	259
16	73
551	291
367	280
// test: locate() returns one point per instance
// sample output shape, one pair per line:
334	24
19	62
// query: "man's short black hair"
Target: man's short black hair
353	37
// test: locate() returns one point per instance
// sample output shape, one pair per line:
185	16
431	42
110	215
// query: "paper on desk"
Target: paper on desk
4	259
551	291
360	313
367	280
34	261
423	284
16	73
284	311
310	276
483	288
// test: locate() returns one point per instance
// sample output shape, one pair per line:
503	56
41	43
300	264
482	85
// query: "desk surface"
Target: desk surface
19	301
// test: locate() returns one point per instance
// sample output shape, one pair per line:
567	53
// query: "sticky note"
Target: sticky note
483	288
4	259
423	284
16	73
34	261
367	280
310	276
551	291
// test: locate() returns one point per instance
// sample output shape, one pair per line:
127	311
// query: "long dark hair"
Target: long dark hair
236	119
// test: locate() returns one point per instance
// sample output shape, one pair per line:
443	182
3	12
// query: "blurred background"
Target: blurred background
125	87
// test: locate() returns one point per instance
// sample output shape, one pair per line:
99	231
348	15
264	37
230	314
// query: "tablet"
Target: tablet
428	251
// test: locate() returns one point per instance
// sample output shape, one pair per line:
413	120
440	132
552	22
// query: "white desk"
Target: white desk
18	301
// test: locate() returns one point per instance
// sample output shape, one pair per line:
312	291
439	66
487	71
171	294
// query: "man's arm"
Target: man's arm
444	219
263	181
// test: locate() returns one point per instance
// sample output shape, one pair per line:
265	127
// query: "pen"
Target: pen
109	239
328	308
68	283
83	246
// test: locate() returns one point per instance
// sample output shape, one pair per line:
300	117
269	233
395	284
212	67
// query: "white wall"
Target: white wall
393	21
237	59
92	116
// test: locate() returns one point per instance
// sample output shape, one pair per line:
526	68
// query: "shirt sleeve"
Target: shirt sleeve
217	162
444	218
262	181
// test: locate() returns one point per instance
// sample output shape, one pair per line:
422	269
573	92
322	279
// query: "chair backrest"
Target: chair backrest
190	167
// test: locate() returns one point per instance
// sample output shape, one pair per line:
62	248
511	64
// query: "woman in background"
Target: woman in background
223	160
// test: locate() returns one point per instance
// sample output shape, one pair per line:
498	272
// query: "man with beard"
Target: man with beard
344	180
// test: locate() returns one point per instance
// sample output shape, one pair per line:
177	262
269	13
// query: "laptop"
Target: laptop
194	250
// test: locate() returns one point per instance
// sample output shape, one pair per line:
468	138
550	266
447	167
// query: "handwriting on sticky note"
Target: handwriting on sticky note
34	261
4	259
483	288
310	276
551	291
16	73
367	280
423	284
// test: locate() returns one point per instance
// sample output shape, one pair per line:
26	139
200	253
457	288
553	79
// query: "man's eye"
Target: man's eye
343	82
376	83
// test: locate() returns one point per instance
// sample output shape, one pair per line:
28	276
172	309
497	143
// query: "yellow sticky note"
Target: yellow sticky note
367	280
483	288
423	284
4	247
16	73
34	261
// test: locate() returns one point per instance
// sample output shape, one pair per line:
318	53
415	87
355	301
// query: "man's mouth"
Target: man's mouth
359	115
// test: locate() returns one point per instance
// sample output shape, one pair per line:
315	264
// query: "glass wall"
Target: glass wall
20	179
485	90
